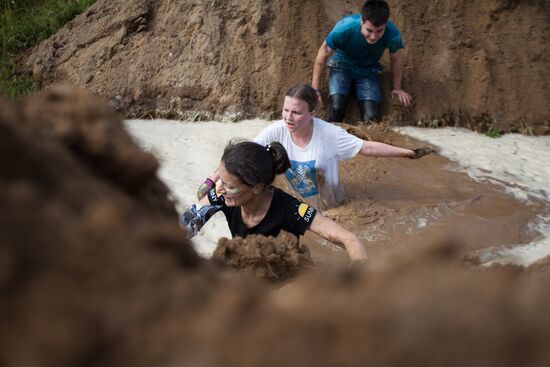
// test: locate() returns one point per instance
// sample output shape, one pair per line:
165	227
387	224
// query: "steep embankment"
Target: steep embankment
94	271
469	63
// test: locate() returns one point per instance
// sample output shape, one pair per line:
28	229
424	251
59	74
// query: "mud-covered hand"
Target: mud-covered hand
403	97
319	98
204	188
421	152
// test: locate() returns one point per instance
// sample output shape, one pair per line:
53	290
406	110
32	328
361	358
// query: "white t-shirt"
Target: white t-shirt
313	175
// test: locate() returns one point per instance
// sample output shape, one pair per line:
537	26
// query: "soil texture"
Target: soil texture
93	271
483	65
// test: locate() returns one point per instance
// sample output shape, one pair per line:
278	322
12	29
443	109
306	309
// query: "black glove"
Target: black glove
421	152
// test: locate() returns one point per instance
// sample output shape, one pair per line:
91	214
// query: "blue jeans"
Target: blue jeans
367	88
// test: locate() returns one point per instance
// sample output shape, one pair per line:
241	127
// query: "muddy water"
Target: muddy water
395	205
518	165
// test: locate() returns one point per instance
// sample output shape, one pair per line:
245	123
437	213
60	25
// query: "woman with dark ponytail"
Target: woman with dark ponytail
252	206
315	148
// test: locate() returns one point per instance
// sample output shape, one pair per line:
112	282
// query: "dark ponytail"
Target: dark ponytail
280	157
253	163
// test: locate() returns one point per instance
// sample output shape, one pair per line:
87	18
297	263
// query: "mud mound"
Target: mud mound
90	275
75	248
466	68
237	58
90	132
264	257
185	60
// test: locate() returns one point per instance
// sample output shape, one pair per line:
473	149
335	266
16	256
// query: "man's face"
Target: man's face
371	32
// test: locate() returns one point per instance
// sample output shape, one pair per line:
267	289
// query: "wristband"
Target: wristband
317	90
208	182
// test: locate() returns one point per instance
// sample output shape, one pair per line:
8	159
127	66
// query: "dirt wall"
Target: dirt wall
94	272
469	63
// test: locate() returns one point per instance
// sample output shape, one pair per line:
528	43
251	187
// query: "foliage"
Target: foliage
542	4
24	23
493	132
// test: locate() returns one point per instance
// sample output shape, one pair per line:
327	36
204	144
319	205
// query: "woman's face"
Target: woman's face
233	190
296	115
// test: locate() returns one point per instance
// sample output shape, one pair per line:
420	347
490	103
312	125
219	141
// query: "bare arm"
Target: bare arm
206	186
376	149
397	73
322	56
337	234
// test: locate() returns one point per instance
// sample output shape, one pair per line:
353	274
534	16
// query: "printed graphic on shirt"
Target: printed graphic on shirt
301	176
305	212
214	198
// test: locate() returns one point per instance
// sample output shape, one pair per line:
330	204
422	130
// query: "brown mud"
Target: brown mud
479	64
395	205
274	258
94	270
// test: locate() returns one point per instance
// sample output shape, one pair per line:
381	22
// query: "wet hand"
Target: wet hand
421	152
319	98
403	97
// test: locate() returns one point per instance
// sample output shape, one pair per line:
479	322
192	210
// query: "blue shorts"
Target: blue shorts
366	87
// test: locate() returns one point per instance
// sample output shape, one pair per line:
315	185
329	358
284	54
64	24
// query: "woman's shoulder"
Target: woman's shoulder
275	127
295	211
274	131
281	197
326	127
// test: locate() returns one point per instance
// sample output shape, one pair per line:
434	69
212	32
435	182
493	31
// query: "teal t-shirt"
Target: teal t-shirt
353	52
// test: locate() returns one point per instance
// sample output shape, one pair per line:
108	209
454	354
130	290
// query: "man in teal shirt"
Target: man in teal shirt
356	44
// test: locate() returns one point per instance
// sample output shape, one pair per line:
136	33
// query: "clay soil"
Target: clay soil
480	64
95	271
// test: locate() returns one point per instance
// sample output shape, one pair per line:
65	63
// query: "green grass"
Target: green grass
24	23
542	4
493	132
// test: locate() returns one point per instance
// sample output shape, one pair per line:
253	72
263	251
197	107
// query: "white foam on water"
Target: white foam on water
188	152
519	164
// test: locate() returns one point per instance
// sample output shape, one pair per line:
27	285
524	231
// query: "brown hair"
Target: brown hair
306	93
253	163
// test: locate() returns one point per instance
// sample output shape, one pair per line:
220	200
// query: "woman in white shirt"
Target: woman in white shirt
315	147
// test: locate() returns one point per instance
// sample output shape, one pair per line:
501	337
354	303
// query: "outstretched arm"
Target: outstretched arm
335	233
397	72
322	56
376	149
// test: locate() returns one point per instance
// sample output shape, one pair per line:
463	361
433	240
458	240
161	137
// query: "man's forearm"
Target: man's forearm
320	60
397	69
317	72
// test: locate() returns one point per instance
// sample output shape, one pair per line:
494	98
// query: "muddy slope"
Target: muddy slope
470	63
94	272
214	56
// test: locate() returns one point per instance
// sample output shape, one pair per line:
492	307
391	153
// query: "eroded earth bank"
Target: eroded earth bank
480	64
96	271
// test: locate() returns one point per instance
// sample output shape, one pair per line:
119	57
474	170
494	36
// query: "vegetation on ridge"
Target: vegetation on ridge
24	23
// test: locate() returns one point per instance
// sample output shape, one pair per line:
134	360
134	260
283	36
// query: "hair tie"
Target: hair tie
270	150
